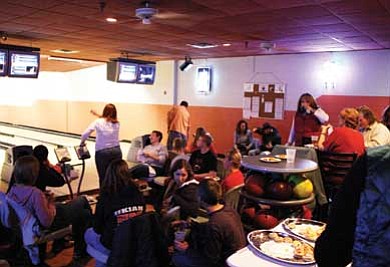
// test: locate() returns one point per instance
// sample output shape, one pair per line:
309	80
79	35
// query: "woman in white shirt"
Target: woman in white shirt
107	139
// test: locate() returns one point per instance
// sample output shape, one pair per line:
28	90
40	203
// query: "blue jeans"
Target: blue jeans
189	258
172	135
103	158
95	248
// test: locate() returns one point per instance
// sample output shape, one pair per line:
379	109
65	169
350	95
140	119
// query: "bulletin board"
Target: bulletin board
264	100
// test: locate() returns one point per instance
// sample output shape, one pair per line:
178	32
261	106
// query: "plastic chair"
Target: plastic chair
232	196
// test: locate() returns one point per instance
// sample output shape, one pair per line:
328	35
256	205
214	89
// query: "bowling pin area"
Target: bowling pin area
12	136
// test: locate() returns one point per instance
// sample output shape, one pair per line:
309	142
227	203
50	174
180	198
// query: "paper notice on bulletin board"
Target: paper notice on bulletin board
255	106
268	105
249	87
279	108
246	109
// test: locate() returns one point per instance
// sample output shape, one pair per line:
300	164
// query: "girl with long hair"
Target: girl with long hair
307	121
107	139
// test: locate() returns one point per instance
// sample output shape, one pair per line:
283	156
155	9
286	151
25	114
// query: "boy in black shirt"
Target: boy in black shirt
203	161
224	232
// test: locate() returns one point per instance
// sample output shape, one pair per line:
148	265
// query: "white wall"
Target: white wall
359	73
88	84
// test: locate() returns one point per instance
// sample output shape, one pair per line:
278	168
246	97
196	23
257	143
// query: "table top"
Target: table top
247	257
298	166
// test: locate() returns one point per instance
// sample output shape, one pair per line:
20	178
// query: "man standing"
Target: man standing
178	123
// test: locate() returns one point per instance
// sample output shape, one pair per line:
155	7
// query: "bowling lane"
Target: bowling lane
22	135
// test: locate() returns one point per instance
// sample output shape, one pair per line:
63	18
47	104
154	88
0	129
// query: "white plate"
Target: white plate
270	159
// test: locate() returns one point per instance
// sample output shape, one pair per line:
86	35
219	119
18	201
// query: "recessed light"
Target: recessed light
202	45
65	59
111	20
226	44
65	51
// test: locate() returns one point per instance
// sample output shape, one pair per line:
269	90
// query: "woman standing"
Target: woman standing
307	122
243	137
107	139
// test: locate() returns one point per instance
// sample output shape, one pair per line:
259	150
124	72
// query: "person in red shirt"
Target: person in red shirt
345	138
235	176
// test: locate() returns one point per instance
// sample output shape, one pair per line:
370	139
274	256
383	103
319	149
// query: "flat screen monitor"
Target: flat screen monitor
23	64
146	74
62	154
3	62
127	72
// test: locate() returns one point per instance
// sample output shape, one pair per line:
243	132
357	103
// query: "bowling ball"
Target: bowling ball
279	190
248	214
266	220
303	189
254	184
295	179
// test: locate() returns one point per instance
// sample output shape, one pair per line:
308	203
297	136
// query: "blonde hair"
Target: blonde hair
234	156
350	116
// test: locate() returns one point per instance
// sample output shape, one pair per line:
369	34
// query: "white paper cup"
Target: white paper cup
180	236
290	152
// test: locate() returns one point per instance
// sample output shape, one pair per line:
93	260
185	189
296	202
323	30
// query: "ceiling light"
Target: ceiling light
226	44
111	20
64	51
65	59
202	45
187	64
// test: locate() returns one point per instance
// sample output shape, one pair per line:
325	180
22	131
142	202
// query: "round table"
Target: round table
298	166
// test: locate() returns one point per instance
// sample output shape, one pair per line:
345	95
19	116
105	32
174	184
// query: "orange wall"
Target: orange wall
137	119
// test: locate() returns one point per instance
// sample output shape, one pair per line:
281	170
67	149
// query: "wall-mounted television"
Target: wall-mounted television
3	62
127	72
23	64
146	73
124	72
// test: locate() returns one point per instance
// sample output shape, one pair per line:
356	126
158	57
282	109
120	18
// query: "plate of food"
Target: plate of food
270	159
306	229
282	247
281	156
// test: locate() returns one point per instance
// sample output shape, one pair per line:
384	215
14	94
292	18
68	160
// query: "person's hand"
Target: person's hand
268	145
213	174
171	250
181	245
49	196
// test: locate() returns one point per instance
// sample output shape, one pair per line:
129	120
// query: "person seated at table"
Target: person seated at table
198	133
386	117
120	200
345	138
374	132
154	154
307	121
182	190
41	205
358	226
243	137
203	161
178	151
269	136
232	163
224	233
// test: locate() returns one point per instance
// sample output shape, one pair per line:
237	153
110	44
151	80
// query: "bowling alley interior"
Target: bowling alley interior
194	133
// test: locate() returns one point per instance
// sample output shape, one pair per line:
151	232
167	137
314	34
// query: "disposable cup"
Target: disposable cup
180	236
290	152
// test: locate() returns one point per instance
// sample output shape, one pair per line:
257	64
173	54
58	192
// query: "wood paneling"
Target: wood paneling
294	26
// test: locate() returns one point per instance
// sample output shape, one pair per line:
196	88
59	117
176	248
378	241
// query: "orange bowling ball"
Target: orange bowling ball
255	184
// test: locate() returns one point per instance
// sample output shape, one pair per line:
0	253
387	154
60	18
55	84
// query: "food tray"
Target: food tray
307	229
282	247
